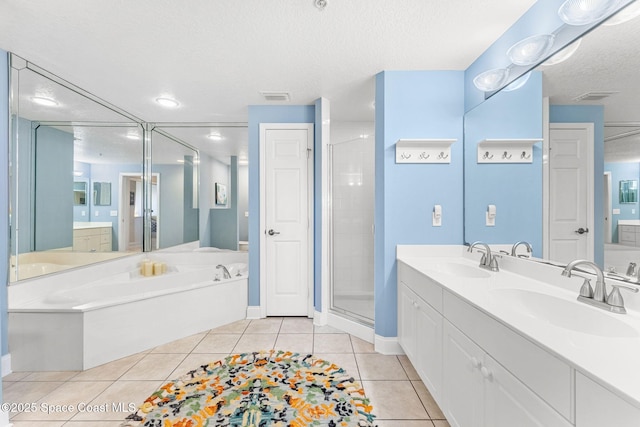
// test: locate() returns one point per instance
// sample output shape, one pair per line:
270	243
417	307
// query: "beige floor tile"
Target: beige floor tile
232	328
296	325
380	367
93	423
51	376
194	361
183	345
299	343
361	346
62	403
394	400
326	329
15	376
270	325
27	392
427	400
408	368
255	342
332	343
441	423
346	361
154	367
120	393
37	423
217	343
403	423
109	371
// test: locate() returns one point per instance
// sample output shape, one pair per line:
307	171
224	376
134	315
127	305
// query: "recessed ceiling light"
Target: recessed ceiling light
167	102
583	12
563	54
531	50
42	100
491	79
215	137
517	83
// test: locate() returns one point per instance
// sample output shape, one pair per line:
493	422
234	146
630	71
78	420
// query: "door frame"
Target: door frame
263	211
546	179
123	203
607	200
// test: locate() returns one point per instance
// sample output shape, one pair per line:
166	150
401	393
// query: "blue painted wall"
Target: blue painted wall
264	114
53	189
589	114
622	172
515	189
224	232
414	104
4	199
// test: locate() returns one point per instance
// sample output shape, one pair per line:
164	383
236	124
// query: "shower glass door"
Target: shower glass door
352	205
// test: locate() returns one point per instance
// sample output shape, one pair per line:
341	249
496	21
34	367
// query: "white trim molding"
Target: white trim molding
4	419
320	318
5	365
254	312
354	328
387	345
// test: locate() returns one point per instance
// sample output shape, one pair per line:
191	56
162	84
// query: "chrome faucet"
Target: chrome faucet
225	272
612	302
488	261
515	246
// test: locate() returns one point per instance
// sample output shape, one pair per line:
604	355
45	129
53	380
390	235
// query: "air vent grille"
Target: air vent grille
275	96
594	96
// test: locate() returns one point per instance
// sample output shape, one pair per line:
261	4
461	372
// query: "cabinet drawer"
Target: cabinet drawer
105	230
105	238
83	232
597	406
547	376
628	237
424	287
626	229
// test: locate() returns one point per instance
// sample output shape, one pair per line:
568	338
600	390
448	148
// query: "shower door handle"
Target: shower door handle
271	232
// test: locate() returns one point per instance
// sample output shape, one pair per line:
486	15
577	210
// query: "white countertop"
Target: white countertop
629	222
613	362
79	225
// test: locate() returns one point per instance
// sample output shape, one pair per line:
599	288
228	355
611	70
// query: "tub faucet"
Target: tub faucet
599	298
488	261
225	272
526	245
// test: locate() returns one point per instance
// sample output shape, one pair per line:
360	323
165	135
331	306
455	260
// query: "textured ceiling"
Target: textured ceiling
214	56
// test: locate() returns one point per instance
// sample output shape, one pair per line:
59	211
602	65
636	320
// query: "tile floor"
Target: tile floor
398	396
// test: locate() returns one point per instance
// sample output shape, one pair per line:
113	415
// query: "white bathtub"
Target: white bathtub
89	316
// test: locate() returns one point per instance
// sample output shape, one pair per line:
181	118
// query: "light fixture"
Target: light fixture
563	54
43	100
584	12
518	83
531	50
167	102
364	136
133	136
215	137
627	14
77	173
320	4
492	79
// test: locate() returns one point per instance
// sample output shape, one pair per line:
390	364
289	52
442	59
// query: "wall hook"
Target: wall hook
405	156
506	155
524	155
443	156
424	155
487	156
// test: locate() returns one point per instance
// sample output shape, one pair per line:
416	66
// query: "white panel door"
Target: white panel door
571	192
287	221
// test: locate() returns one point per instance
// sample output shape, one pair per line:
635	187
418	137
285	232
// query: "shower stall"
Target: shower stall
352	205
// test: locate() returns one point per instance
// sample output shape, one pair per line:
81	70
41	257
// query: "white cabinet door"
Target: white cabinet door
598	407
508	402
407	321
429	347
462	393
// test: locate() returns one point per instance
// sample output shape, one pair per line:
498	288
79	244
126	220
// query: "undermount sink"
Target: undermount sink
571	315
459	270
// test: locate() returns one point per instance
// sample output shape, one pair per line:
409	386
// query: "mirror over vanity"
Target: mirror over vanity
586	210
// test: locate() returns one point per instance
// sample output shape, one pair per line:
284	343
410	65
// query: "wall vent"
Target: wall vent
594	96
275	96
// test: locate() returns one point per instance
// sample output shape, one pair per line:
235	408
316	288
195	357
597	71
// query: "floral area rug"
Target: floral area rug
261	389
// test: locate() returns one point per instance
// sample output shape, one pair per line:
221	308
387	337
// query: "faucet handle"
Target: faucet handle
586	290
615	298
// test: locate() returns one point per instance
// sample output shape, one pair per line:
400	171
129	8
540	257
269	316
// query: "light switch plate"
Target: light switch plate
113	213
616	211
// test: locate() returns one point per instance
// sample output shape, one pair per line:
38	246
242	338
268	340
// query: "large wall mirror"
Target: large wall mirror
567	214
79	193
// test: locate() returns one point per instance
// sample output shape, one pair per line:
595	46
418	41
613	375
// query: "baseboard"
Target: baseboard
5	365
253	312
319	318
354	328
387	345
4	419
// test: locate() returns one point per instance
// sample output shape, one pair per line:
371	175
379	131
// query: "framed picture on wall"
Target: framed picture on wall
221	194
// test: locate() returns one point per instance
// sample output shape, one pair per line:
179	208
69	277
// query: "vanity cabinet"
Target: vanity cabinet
596	406
92	239
629	235
478	391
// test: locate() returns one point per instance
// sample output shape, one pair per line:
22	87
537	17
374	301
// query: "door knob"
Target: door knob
271	232
582	230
